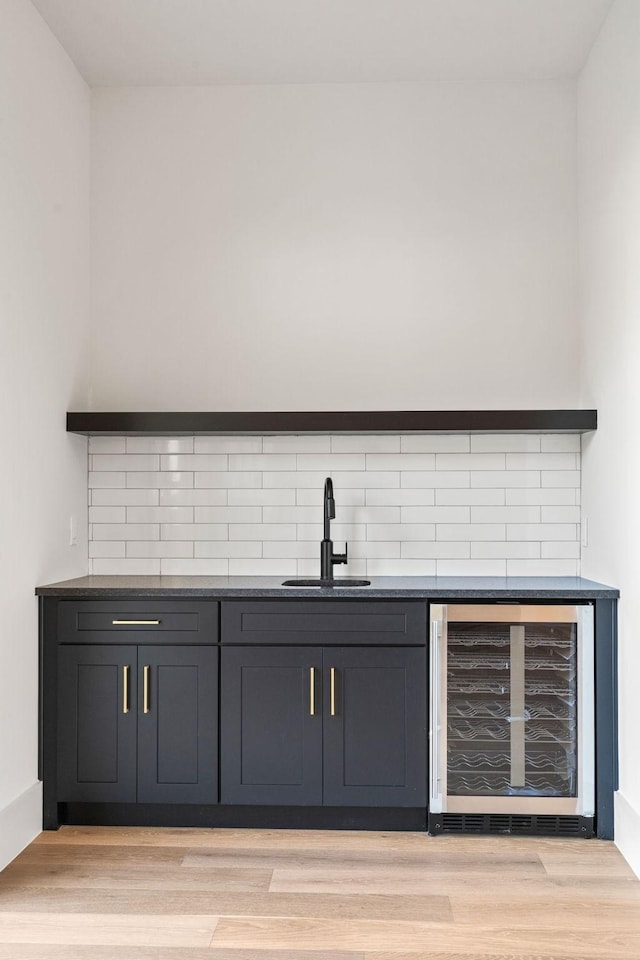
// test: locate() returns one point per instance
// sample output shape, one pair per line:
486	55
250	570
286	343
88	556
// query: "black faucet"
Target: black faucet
327	556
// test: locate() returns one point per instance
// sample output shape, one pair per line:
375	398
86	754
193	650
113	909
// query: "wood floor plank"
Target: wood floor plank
425	857
517	912
39	951
95	929
100	853
149	877
221	903
219	837
266	932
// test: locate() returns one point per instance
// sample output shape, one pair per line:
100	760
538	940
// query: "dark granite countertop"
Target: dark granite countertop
486	588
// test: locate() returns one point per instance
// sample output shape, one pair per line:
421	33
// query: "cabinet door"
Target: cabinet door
375	736
271	725
177	724
97	723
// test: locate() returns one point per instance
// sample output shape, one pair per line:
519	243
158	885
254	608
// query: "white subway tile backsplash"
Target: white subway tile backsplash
297	444
418	497
329	463
471	568
522	514
560	514
470	531
125	498
159	445
128	462
312	497
505	478
226	480
127	567
561	478
401	568
106	480
262	461
206	497
292	514
505	443
435	514
560	443
228	514
472	498
339	531
159	514
470	461
251	497
160	480
435	443
401	531
542	531
107	514
194	568
228	548
194	461
125	531
227	445
107	445
300	549
431	479
436	550
260	531
541	461
365	444
542	495
415	505
282	567
401	461
194	531
107	548
373	550
560	550
505	550
542	568
159	548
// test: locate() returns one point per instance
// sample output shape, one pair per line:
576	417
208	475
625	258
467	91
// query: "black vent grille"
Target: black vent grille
518	824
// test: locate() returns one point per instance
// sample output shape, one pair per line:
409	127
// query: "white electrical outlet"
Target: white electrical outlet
73	532
584	531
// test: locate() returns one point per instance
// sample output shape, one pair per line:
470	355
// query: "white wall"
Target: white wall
609	182
44	271
374	246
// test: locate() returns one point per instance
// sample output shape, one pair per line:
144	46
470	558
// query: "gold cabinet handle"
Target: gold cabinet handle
332	675
312	691
145	689
148	623
125	689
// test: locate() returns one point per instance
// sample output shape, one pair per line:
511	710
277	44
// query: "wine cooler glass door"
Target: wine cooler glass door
512	709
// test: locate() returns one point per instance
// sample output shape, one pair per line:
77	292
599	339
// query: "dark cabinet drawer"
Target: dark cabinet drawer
374	622
138	621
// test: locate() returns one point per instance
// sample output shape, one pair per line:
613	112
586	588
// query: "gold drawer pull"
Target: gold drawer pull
145	689
125	689
312	691
151	623
332	674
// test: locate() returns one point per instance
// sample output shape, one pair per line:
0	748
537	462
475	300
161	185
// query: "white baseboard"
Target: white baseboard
20	822
627	834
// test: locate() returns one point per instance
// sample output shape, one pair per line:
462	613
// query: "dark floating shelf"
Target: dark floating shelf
372	421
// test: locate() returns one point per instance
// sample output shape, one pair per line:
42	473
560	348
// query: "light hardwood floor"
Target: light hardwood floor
109	893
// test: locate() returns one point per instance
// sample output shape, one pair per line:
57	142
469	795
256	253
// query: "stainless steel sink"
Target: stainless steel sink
326	583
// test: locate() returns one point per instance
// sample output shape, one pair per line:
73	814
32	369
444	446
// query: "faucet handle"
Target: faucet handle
341	557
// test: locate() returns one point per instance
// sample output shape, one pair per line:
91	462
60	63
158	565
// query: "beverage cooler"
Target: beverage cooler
512	719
